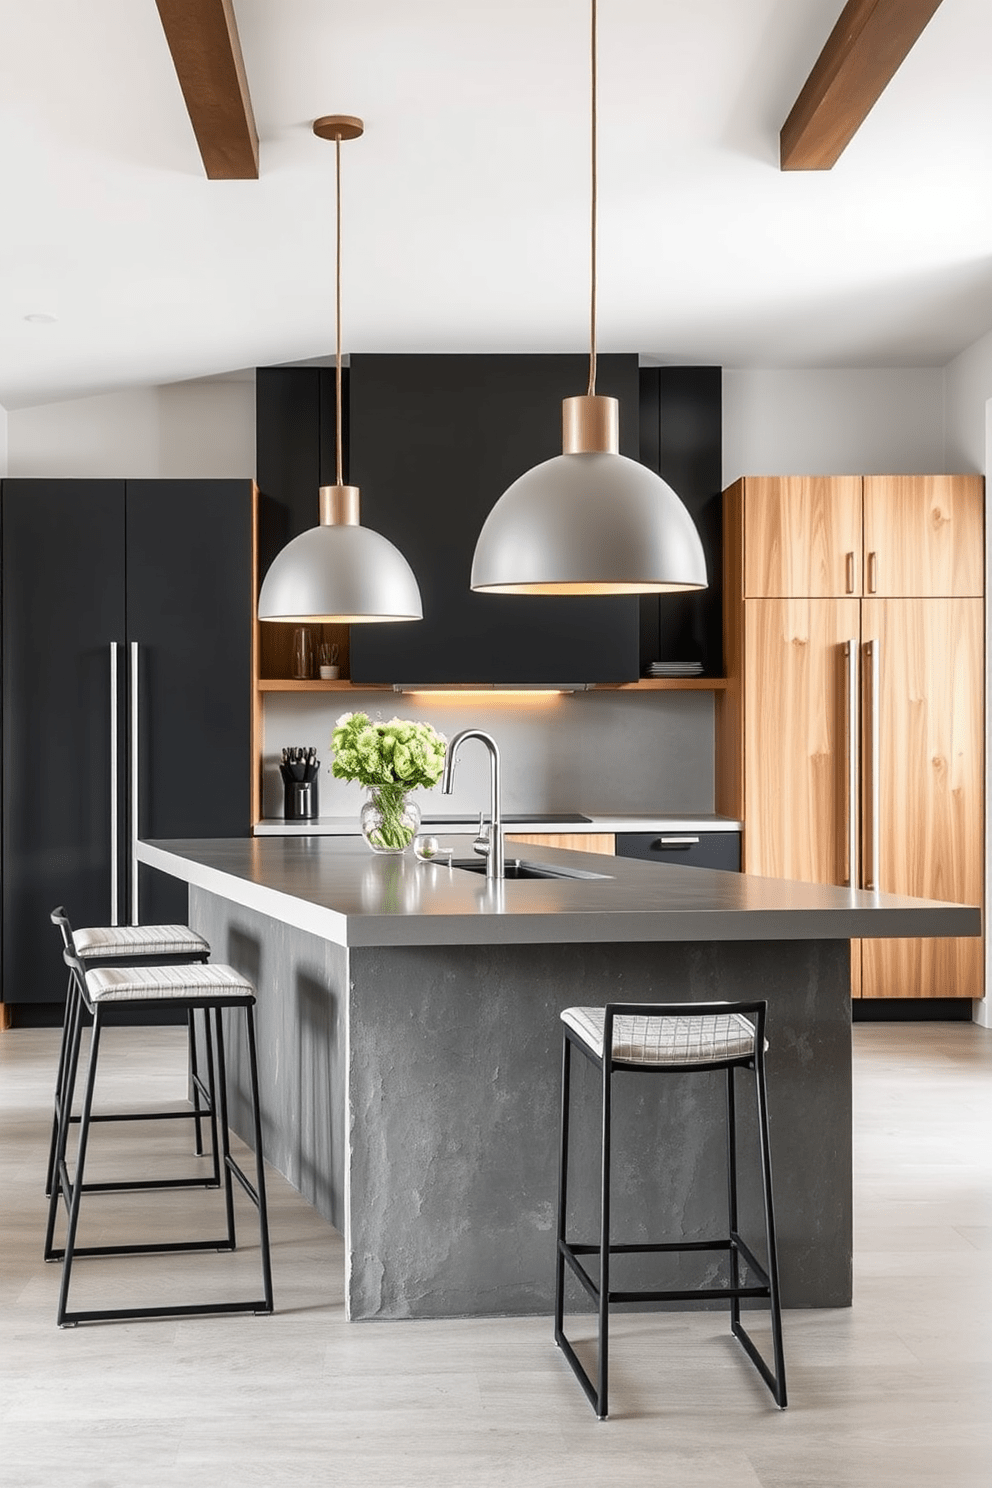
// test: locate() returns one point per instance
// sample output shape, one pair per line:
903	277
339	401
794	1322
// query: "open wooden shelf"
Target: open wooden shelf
646	684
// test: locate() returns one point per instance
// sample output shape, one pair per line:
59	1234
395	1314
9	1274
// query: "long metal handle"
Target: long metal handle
852	762
678	842
134	783
115	866
873	652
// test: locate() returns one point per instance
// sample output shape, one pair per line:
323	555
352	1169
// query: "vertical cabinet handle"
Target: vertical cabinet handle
873	653
872	572
115	865
851	650
134	782
849	568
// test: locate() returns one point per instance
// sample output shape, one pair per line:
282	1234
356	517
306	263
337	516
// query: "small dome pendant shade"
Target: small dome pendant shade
590	523
339	572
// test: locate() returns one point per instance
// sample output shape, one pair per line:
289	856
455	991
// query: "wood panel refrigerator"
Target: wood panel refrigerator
126	612
850	739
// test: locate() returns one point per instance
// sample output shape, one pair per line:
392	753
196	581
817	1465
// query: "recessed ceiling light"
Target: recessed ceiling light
41	317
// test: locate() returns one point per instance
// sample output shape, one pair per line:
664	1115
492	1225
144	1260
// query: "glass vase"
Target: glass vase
389	819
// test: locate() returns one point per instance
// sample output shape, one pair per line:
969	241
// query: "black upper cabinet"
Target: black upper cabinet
682	441
434	442
161	565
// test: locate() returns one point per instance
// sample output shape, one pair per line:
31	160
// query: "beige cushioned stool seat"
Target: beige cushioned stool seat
156	983
141	940
677	1040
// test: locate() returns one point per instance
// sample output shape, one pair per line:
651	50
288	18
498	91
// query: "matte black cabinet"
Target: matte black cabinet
105	583
434	442
683	849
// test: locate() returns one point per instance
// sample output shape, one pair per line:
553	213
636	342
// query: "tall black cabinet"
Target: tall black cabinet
104	583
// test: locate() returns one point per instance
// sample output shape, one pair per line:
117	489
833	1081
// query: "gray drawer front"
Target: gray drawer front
684	849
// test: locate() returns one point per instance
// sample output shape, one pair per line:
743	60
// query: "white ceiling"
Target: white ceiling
466	203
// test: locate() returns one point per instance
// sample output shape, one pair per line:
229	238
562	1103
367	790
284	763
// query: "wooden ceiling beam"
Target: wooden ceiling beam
862	54
203	40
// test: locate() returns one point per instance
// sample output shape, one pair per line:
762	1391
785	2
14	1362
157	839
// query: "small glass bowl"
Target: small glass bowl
429	850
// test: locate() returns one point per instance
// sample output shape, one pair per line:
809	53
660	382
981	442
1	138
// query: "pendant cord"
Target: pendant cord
338	440
595	203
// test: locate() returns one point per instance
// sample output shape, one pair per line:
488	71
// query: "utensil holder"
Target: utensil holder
300	800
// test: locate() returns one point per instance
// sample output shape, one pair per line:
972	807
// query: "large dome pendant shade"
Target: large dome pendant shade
589	521
339	572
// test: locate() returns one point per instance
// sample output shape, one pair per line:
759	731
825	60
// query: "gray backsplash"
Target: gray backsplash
586	751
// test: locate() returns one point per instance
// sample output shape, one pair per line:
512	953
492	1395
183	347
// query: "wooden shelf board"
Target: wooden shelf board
666	684
646	684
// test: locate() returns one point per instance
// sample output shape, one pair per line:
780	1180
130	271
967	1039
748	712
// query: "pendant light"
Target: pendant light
340	570
589	521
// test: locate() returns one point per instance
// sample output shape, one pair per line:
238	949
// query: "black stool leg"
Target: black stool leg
602	1407
735	1269
566	1064
194	1080
225	1139
263	1216
75	1189
71	1011
778	1387
59	1174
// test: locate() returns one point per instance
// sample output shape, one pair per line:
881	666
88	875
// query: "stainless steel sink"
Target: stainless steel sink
517	868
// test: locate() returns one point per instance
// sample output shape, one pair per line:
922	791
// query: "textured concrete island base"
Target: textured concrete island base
411	1093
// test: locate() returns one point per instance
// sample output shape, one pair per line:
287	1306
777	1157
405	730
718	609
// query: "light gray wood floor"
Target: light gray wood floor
896	1390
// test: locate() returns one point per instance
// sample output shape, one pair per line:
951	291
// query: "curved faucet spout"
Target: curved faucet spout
492	834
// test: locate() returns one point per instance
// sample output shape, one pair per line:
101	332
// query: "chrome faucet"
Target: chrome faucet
489	842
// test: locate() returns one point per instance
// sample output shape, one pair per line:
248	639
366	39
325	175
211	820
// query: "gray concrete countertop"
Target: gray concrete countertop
347	826
337	889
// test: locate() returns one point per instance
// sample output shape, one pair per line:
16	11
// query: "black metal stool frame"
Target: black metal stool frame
568	1252
200	1093
70	1191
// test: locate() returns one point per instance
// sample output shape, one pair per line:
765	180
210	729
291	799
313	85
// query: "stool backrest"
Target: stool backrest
58	917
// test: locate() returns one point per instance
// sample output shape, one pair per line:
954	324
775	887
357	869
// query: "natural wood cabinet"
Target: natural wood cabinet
805	537
924	535
796	797
924	768
802	536
591	842
850	733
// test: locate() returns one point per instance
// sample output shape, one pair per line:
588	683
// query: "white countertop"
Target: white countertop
347	826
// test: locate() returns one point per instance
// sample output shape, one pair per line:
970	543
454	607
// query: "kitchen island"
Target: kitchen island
409	1047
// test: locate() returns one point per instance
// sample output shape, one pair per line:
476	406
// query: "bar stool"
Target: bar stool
149	945
670	1039
208	988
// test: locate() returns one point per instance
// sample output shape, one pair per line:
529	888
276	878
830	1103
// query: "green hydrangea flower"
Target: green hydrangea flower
399	752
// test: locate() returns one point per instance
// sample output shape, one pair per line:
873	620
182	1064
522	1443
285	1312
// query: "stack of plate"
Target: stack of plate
674	669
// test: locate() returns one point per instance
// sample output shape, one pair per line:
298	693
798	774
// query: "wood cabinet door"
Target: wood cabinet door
797	738
591	842
924	535
927	769
802	536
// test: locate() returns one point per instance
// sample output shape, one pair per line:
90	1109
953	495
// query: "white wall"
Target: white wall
884	421
186	429
968	389
3	441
